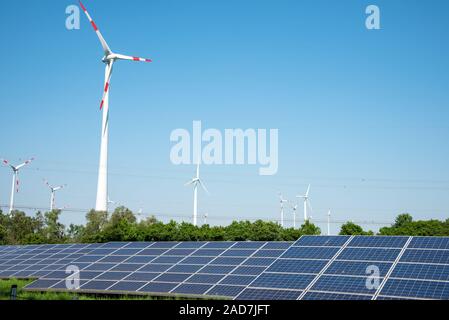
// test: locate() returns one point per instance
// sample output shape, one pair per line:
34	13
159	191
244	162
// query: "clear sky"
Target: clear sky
362	114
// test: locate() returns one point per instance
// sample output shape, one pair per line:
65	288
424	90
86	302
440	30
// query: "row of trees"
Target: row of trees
404	225
121	225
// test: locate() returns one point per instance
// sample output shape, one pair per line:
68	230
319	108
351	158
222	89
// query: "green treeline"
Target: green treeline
121	225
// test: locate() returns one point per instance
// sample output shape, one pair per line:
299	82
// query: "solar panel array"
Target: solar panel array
357	268
23	262
312	268
220	269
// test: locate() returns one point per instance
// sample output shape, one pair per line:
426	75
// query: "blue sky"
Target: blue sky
362	114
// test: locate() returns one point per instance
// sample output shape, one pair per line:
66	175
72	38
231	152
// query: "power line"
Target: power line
212	217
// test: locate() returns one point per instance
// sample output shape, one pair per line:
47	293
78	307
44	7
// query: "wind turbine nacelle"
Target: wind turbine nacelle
109	57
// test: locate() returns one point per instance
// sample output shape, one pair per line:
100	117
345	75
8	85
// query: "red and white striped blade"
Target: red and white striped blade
123	57
24	164
105	46
106	84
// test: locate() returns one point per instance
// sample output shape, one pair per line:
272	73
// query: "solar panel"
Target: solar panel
416	289
430	243
312	268
421	271
269	294
426	256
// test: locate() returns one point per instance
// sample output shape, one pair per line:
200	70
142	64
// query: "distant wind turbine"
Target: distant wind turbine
109	59
53	193
282	200
195	182
294	207
306	200
15	179
329	222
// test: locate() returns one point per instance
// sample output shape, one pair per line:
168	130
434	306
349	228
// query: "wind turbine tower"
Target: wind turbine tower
306	200
109	59
195	182
15	179
282	200
53	193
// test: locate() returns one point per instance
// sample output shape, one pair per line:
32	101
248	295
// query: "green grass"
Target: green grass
5	291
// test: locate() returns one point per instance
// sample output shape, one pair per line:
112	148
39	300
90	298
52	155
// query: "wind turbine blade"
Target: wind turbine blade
105	46
107	81
190	182
24	164
308	189
123	57
203	186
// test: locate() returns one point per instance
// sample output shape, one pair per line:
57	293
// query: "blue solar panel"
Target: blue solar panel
264	262
158	287
249	245
151	252
282	281
192	288
218	245
179	252
237	280
172	277
344	284
248	270
243	269
357	268
97	285
208	252
310	252
140	259
429	243
334	296
142	276
369	254
164	244
228	261
277	245
426	256
225	290
128	286
297	266
238	253
205	278
416	288
191	245
168	259
217	269
126	252
268	294
113	275
197	260
188	268
321	241
127	267
268	253
378	241
421	271
113	259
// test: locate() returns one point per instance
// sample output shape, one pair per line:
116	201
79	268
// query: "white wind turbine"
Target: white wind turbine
306	200
294	208
329	222
53	193
15	179
195	182
282	200
109	59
